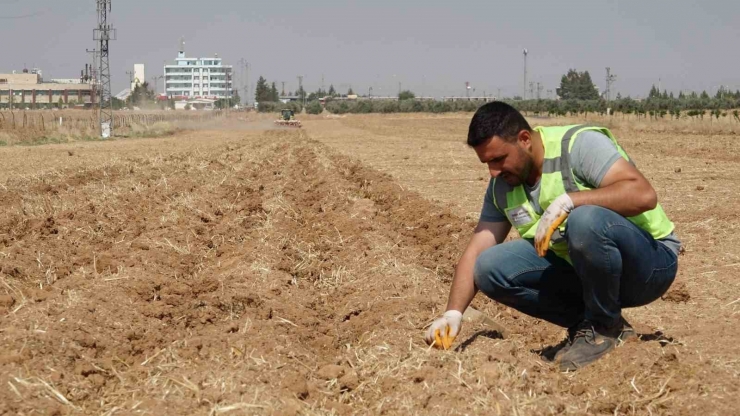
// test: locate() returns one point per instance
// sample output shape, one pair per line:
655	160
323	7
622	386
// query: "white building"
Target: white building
197	78
139	76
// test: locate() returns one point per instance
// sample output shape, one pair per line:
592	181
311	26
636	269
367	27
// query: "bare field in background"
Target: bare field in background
243	269
62	126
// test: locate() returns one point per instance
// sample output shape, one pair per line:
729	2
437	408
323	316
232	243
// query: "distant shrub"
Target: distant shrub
276	106
314	107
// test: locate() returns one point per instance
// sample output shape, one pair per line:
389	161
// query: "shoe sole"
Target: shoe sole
570	365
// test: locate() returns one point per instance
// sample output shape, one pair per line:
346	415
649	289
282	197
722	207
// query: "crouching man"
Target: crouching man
594	238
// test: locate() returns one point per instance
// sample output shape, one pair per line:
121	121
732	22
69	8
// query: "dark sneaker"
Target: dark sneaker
592	342
565	344
627	332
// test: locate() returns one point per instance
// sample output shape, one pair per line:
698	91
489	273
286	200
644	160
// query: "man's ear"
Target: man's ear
525	138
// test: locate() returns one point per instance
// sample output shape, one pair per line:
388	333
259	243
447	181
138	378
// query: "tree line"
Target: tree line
577	94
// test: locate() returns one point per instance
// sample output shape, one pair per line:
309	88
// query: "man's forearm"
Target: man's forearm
463	288
625	198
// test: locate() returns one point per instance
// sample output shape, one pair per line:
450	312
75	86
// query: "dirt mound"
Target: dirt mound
270	276
678	293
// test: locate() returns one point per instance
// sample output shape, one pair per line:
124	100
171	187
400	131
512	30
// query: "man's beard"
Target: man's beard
518	178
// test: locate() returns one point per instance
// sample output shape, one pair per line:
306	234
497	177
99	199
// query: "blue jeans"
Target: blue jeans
615	265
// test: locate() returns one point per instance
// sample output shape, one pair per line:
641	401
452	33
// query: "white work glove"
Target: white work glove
443	330
551	219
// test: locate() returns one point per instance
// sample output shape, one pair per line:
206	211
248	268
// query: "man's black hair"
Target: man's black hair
496	119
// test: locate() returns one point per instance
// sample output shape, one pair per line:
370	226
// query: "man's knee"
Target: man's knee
585	227
488	273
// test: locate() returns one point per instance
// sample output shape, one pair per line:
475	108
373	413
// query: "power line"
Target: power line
23	16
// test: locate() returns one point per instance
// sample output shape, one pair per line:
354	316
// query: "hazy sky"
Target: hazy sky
431	47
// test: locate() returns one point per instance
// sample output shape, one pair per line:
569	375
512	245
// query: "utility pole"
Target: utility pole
131	83
228	77
539	90
524	85
94	76
246	67
283	92
240	84
104	34
531	89
300	89
155	79
610	78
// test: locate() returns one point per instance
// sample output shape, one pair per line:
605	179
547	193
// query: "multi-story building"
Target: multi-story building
192	78
28	90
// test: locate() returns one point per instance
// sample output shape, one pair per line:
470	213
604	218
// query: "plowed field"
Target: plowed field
288	271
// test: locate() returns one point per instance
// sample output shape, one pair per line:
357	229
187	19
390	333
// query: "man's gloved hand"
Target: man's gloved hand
551	219
443	331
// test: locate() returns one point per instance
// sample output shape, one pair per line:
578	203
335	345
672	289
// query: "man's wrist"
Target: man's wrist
453	313
574	199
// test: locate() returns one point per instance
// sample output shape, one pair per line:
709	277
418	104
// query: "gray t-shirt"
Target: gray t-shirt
590	158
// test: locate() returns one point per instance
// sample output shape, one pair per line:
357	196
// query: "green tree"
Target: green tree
332	91
274	96
301	93
577	85
654	92
262	91
350	92
141	96
316	95
228	103
722	93
314	107
406	95
117	104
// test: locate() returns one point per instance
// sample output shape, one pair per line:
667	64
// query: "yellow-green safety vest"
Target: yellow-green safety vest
557	179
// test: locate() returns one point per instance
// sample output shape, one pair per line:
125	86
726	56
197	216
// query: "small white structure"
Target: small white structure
196	104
